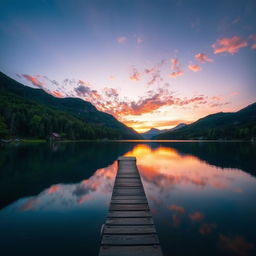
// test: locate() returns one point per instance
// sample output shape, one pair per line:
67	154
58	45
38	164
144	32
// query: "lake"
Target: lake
54	198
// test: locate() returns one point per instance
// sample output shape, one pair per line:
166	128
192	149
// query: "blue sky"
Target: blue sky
108	45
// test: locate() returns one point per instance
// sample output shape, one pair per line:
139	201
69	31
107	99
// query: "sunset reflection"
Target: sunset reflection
166	167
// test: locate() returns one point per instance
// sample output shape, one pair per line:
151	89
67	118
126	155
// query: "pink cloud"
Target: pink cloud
175	66
201	57
34	80
177	73
194	67
136	75
230	45
121	39
253	37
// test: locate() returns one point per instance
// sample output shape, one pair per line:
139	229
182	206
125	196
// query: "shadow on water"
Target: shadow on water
27	169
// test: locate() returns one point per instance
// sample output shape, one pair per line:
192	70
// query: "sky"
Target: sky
153	63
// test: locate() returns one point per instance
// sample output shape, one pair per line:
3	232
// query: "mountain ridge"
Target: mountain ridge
80	110
230	125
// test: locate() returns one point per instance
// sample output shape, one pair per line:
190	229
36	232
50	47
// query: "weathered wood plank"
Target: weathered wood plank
129	207
128	197
131	250
129	214
129	239
129	201
129	221
150	229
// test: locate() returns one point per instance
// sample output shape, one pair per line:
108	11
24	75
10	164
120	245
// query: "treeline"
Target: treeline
26	119
242	132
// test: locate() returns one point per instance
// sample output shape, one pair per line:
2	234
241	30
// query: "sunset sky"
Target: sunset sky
148	63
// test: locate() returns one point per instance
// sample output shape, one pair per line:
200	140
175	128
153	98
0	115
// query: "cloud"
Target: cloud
177	208
121	39
235	244
88	94
110	92
82	90
201	57
175	66
34	80
196	216
230	45
253	37
57	94
194	67
176	74
136	75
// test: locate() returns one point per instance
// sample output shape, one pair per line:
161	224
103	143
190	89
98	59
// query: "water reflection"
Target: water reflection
201	195
194	202
63	197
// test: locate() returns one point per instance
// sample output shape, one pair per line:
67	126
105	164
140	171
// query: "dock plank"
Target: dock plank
129	221
150	229
130	239
131	250
129	207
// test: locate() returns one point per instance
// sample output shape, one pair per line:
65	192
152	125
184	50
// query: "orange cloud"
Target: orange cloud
201	57
194	67
230	45
177	208
57	94
253	37
34	80
196	216
136	75
121	39
177	73
235	244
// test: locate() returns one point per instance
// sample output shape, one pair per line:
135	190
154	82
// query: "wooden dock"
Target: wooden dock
129	228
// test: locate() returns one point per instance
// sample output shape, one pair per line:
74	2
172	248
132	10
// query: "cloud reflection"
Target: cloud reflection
65	196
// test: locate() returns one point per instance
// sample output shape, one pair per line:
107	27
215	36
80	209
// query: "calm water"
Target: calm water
54	199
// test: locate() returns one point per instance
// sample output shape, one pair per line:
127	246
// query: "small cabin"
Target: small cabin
54	136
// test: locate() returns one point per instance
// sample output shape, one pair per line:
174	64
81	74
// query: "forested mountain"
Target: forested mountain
33	113
237	125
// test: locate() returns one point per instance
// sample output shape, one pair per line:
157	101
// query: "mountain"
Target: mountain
239	125
150	133
154	132
29	112
178	127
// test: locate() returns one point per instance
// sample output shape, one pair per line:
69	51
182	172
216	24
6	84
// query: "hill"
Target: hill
239	125
29	112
